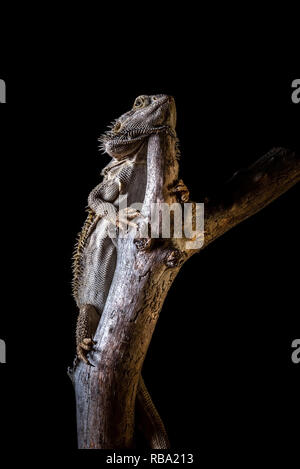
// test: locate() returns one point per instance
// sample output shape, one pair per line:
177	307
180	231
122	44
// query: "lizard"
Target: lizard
95	251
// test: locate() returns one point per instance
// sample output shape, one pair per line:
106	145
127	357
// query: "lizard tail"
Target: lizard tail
149	421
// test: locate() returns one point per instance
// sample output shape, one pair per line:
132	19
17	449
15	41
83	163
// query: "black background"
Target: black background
219	366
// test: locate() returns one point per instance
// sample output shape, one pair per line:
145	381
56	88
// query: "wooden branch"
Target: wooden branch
250	190
106	393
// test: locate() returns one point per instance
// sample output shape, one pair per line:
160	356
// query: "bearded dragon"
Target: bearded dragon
96	252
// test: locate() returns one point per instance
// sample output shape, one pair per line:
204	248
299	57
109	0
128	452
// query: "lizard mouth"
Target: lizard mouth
124	138
120	132
128	137
128	132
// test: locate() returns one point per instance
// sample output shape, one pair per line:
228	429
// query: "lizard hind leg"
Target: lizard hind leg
87	323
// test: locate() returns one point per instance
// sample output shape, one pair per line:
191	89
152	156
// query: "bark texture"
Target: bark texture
249	190
106	393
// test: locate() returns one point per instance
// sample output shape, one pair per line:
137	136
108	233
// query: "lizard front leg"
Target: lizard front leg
181	191
87	323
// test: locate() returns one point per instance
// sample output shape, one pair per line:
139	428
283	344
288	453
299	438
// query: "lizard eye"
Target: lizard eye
139	102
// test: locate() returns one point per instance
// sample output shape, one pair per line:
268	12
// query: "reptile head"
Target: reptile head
149	115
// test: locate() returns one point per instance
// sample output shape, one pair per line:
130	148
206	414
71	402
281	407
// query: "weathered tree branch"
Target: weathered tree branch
250	190
106	393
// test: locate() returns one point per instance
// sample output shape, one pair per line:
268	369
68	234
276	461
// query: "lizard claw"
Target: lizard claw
86	345
182	191
125	217
131	213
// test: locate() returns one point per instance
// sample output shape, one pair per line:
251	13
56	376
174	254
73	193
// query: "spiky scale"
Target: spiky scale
79	248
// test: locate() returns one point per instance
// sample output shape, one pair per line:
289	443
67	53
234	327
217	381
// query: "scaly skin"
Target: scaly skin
95	258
